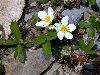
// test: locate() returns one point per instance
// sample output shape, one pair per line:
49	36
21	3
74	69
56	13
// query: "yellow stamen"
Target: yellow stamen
64	28
47	18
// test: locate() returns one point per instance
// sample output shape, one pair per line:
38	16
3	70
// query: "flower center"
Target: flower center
64	28
47	18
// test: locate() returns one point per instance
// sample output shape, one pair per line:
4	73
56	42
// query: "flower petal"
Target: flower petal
68	35
57	26
50	12
72	27
46	24
42	14
60	35
64	20
42	24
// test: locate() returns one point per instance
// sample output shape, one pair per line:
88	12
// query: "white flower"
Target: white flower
45	17
64	28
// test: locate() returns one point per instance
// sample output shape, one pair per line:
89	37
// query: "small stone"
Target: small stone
98	45
52	71
33	4
74	14
0	32
88	69
29	15
31	1
89	66
98	2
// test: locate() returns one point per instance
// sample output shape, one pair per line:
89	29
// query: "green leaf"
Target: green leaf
90	51
53	1
15	30
82	44
35	18
7	42
97	24
98	29
92	21
28	43
65	47
87	48
2	69
43	1
90	31
0	62
82	24
20	54
47	48
15	52
51	35
90	44
92	2
40	39
74	47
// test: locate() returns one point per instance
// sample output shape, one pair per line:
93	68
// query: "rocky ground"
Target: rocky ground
37	63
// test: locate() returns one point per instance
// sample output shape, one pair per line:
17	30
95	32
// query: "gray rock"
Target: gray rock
31	1
98	45
29	15
10	10
74	14
89	69
35	64
57	69
89	66
98	2
53	70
